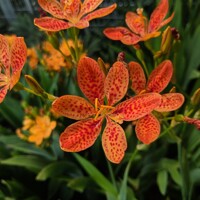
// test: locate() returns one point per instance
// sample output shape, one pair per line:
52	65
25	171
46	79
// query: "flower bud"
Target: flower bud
195	99
167	40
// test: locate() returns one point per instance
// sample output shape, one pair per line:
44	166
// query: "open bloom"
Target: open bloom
139	28
70	13
103	93
12	58
148	127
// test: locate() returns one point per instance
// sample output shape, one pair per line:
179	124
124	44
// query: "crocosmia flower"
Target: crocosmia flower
12	59
148	127
103	94
70	13
139	27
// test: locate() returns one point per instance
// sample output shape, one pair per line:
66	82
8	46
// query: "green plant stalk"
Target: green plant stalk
111	174
75	33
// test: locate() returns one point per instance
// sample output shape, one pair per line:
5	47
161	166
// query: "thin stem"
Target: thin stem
111	174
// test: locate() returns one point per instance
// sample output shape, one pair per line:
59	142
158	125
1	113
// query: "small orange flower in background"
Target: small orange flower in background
38	129
140	29
148	128
71	13
97	87
13	54
32	57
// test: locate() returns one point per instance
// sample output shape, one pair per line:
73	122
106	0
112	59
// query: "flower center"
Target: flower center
102	110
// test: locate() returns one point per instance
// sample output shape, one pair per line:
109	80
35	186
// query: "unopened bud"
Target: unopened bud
102	65
195	99
167	40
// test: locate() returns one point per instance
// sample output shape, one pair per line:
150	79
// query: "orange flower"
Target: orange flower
139	27
70	13
148	128
103	92
12	60
32	57
39	129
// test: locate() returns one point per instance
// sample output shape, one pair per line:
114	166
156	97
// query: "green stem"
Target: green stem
111	174
75	33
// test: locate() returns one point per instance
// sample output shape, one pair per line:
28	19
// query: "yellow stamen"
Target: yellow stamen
98	113
96	104
105	106
142	92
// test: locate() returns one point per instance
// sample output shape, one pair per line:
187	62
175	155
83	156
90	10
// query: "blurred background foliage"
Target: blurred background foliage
167	169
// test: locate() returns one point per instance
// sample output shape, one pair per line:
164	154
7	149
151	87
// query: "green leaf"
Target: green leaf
97	176
162	181
32	163
58	169
79	184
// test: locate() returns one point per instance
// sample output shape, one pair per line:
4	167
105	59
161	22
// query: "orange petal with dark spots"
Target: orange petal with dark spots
131	39
18	54
136	107
116	83
114	141
80	135
136	23
160	77
147	129
53	7
158	16
73	107
170	102
137	77
3	92
91	79
51	24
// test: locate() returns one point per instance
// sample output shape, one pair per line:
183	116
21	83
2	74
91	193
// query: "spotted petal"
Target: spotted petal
18	53
131	39
137	77
80	135
51	24
170	102
91	79
3	92
147	129
116	83
53	7
73	107
4	54
100	12
136	107
158	15
160	77
114	141
136	23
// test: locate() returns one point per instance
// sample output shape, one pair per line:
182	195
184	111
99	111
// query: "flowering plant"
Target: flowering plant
72	109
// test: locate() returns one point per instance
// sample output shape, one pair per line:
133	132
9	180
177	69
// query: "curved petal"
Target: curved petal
5	54
80	135
167	20
160	77
71	8
18	54
114	141
100	12
81	24
136	23
116	83
3	92
147	129
136	107
88	6
73	107
158	16
51	24
170	102
53	7
116	33
131	39
91	79
137	77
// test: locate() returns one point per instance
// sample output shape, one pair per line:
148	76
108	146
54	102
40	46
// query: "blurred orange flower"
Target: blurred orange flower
32	57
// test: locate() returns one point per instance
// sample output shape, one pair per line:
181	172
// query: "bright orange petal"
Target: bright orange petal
116	33
114	141
136	23
4	53
131	39
170	102
53	7
136	107
89	5
73	107
80	135
81	24
3	92
147	129
100	12
158	16
160	77
137	77
51	24
116	83
18	58
91	79
167	20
